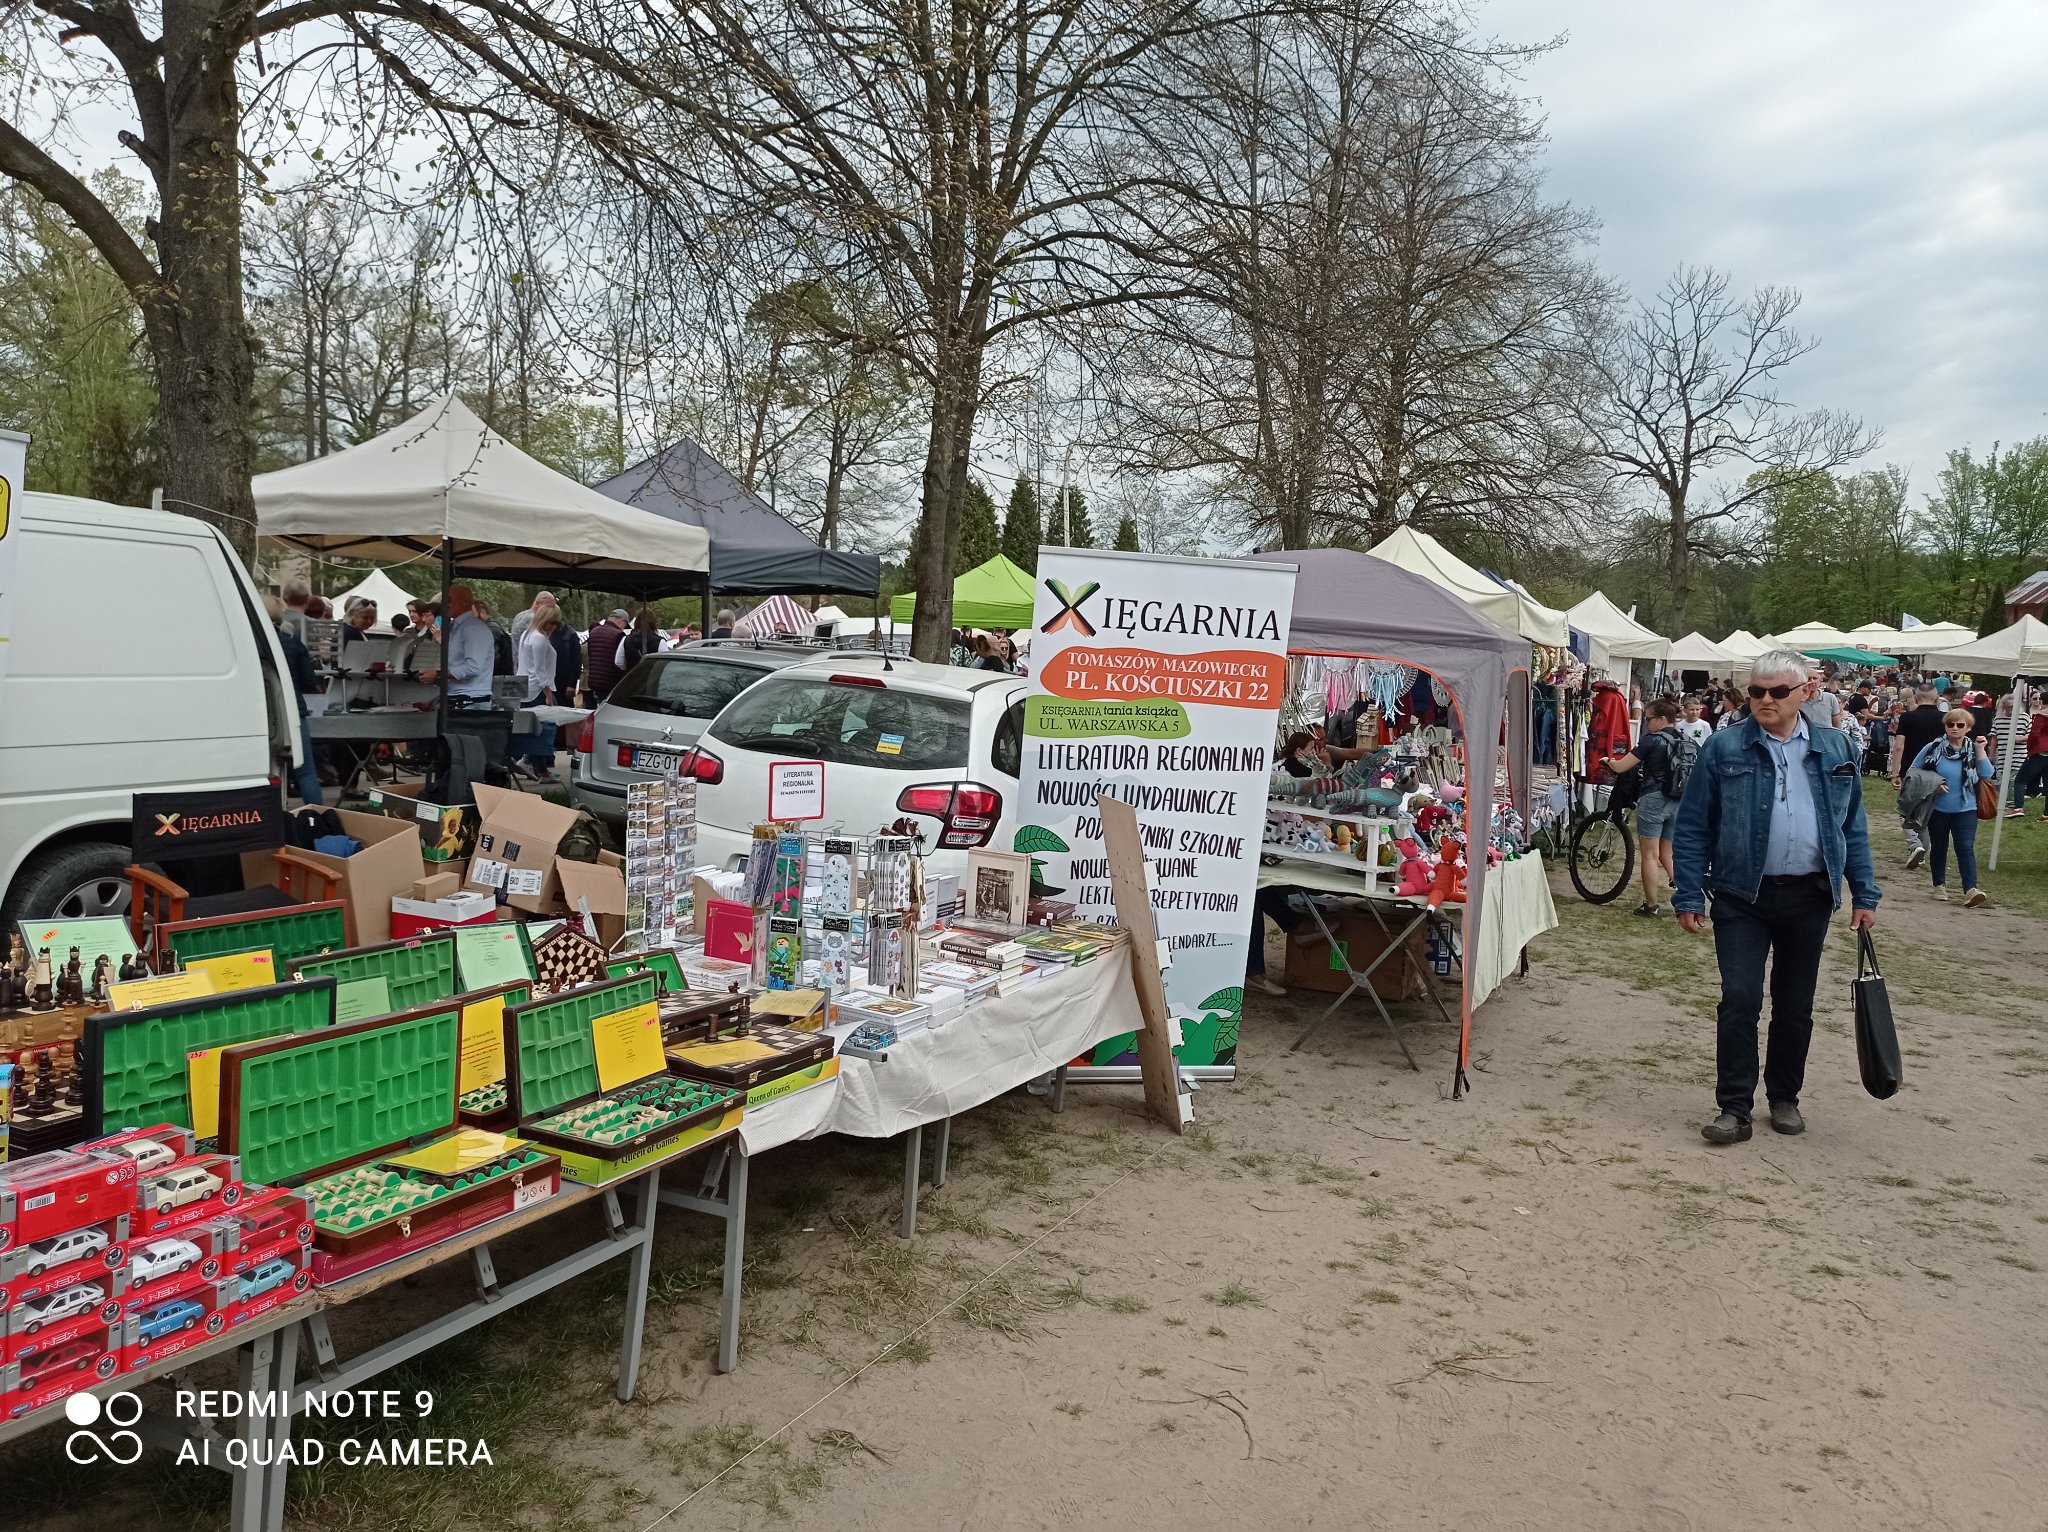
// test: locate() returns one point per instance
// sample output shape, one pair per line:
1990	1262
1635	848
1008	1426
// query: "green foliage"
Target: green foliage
980	541
73	369
1127	534
1021	529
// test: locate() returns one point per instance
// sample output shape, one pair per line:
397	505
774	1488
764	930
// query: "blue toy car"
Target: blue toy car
261	1278
178	1314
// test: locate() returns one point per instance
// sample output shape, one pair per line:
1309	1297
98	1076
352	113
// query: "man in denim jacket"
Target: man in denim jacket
1771	825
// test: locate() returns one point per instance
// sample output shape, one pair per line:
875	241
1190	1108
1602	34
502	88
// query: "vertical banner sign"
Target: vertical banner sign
1158	681
13	469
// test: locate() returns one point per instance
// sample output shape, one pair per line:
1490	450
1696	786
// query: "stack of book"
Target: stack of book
714	974
970	979
992	950
862	1006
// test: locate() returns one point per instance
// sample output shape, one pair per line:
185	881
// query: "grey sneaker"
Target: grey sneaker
1941	892
1973	898
1786	1119
1726	1129
1916	857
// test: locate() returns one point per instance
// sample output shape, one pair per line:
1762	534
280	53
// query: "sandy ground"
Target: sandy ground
1346	1301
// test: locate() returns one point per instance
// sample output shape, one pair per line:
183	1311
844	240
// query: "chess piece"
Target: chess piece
17	954
42	1096
71	982
101	973
133	967
44	998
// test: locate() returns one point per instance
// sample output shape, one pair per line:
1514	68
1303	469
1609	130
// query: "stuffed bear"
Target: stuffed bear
1417	872
1448	884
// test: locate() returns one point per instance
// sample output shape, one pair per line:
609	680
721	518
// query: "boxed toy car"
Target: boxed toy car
161	1263
187	1192
276	1279
178	1323
62	1314
271	1222
55	1369
66	1189
150	1148
77	1255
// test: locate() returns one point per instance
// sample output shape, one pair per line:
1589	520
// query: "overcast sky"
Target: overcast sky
1888	158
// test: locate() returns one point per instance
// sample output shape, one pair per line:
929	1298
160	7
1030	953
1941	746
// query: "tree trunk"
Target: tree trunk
197	328
1679	565
956	391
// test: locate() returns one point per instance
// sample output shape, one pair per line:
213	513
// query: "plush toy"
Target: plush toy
1390	855
1343	836
1417	872
1448	884
1451	792
1429	818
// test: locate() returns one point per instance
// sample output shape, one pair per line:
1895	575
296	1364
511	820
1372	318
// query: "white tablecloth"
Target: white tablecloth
937	1072
1518	909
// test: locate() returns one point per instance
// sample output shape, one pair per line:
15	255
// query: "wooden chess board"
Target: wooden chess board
564	959
760	1052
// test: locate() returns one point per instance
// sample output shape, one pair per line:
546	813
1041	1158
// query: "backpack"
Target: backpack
1681	754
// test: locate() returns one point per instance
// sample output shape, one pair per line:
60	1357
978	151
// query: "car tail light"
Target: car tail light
966	811
586	735
625	755
703	766
874	681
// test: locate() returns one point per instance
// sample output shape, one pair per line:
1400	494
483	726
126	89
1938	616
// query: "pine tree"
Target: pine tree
1080	530
1127	534
1020	526
980	540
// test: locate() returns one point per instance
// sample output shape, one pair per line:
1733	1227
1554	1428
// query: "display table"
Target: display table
928	1077
1518	909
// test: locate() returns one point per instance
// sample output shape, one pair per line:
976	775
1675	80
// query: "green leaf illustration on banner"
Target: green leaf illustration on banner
1033	839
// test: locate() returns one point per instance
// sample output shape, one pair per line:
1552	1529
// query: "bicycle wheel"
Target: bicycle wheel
1603	857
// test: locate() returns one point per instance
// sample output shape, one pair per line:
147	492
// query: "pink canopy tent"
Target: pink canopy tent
778	614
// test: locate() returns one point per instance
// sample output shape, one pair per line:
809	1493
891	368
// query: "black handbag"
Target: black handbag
1877	1040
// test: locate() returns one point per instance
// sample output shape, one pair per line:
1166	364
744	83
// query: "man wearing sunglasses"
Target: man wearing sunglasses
1770	827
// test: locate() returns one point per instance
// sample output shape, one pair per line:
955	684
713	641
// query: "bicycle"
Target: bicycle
1602	857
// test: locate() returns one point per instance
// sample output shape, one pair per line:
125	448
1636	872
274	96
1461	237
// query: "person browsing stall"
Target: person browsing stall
1770	828
469	650
1960	760
1692	719
1915	729
1655	805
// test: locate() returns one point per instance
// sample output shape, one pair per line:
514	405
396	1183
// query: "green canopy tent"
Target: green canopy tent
993	595
1849	656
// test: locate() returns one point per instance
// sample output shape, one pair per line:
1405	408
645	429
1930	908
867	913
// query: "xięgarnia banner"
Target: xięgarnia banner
1158	681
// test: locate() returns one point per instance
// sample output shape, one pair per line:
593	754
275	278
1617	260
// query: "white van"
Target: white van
141	660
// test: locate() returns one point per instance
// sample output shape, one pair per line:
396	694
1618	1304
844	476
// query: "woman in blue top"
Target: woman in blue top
1961	763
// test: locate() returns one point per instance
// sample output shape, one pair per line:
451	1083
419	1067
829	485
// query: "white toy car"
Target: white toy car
148	1154
60	1305
65	1248
194	1183
162	1257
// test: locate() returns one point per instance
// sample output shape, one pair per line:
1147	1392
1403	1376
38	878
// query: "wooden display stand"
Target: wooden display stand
1132	891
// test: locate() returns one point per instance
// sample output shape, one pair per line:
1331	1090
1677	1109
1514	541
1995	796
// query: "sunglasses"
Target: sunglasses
1777	693
1958	723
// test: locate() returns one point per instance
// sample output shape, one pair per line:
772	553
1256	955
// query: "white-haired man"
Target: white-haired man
1770	827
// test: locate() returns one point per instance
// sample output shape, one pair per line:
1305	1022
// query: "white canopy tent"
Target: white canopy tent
1611	634
2020	650
1696	651
1809	636
376	586
1744	645
1508	607
1875	635
445	483
1934	638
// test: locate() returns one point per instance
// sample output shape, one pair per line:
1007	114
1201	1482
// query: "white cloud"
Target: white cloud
1887	158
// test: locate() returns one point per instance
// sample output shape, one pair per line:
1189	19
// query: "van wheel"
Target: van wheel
71	883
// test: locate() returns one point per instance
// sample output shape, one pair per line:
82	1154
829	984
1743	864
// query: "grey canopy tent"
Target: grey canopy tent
754	551
1351	604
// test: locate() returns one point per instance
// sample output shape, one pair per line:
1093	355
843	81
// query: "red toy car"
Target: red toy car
38	1367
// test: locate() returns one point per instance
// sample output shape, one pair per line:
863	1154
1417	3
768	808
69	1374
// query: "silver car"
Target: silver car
657	711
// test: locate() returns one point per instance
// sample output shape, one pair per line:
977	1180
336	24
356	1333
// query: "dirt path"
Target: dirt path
1347	1302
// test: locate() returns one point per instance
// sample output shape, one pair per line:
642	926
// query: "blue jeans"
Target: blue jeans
1787	923
1962	829
1273	903
306	778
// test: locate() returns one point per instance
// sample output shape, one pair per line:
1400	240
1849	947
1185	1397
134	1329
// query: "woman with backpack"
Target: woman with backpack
1664	757
1959	759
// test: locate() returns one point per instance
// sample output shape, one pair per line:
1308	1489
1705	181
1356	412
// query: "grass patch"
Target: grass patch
1381	1295
1235	1295
1126	1303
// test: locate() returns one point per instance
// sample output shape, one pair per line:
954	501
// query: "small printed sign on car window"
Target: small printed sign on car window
889	744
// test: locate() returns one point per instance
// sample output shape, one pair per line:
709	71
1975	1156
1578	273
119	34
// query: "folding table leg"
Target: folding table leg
735	1257
639	1268
287	1360
1059	1091
940	1149
913	1164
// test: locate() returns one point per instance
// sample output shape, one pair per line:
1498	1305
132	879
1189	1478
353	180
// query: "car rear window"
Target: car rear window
850	725
683	688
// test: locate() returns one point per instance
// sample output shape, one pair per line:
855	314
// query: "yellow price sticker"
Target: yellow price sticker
481	1057
628	1045
202	1090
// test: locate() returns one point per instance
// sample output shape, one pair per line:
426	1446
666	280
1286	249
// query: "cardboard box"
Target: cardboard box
1310	966
515	848
388	864
447	831
602	885
435	885
409	917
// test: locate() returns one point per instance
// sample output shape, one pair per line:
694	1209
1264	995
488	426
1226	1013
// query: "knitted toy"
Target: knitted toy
1416	870
1428	819
1448	884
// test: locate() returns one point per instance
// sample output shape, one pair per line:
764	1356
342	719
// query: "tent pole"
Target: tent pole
704	607
2015	743
447	633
